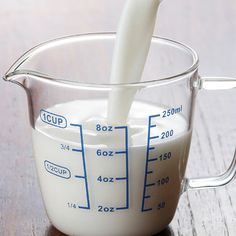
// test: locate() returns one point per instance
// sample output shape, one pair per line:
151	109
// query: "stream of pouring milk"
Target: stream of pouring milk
132	45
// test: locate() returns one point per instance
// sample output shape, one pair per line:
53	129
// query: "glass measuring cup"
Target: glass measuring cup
112	179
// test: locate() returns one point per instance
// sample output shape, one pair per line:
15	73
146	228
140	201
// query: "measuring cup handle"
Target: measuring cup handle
210	83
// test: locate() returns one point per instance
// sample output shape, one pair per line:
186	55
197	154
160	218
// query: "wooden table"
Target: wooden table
206	25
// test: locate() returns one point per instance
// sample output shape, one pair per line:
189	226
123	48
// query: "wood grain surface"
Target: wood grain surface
209	26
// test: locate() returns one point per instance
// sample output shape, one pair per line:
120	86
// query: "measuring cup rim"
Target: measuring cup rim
95	36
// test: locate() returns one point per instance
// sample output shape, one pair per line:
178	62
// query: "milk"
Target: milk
97	204
113	168
131	49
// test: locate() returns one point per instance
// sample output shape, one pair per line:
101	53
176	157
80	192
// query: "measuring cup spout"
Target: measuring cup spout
27	68
24	80
18	79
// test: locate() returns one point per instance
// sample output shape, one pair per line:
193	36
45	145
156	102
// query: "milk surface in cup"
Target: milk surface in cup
98	179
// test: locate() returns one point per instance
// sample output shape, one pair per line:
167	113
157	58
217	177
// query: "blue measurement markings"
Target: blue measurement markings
83	177
148	161
126	177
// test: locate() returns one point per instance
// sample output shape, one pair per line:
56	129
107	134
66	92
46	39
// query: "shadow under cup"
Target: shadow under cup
98	178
